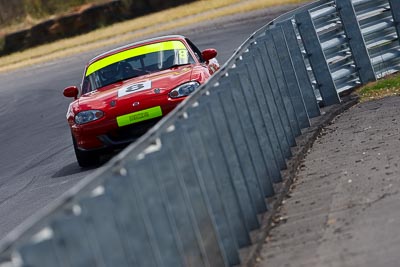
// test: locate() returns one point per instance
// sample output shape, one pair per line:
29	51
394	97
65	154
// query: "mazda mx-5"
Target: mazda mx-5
127	90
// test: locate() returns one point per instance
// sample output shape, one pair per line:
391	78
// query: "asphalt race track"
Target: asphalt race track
37	162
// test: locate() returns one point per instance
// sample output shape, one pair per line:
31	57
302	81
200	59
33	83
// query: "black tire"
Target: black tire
86	158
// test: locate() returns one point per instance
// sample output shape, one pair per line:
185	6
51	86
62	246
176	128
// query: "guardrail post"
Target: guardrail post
40	254
160	229
356	41
100	227
179	213
211	185
235	196
290	78
269	141
258	140
198	204
299	65
204	204
244	151
132	228
270	61
72	242
250	124
317	58
264	141
282	86
271	116
273	150
395	9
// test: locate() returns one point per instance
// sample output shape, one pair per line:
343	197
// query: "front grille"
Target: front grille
133	131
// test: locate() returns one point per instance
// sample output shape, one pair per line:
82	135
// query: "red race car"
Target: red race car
127	90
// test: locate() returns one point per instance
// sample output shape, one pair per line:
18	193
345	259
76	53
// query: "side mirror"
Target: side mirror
71	91
208	54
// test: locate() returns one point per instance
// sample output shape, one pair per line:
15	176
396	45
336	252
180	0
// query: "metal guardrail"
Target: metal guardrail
189	191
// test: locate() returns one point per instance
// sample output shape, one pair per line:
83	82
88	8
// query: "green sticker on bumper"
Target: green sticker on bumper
139	116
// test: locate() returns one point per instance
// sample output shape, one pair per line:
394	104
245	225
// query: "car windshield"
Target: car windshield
135	62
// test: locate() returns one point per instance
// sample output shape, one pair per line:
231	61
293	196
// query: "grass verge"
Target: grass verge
196	12
389	86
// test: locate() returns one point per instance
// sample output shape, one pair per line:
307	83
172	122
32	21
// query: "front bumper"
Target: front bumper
106	134
123	136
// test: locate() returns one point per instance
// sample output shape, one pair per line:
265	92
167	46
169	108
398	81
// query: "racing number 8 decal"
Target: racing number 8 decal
183	56
134	88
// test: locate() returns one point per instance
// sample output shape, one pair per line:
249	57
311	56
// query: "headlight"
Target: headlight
184	89
87	116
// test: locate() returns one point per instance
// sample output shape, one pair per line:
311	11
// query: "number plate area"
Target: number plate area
139	116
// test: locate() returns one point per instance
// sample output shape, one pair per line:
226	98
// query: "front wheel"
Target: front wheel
86	158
